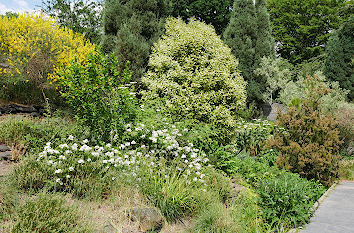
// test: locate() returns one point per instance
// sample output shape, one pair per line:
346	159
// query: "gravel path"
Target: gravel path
336	213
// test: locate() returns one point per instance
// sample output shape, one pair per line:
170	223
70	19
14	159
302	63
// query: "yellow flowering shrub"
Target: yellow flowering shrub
34	48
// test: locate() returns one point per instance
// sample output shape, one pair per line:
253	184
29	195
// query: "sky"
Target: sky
18	5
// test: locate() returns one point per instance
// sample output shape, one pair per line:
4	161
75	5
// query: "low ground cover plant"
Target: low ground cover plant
33	133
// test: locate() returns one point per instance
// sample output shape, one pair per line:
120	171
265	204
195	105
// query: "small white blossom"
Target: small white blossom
71	137
71	169
81	161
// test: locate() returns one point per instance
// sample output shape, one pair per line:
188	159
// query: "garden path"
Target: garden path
336	213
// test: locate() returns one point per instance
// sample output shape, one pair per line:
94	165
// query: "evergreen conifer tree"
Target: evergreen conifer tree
249	36
130	29
340	57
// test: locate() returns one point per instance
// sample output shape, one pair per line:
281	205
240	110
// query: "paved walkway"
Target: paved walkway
336	213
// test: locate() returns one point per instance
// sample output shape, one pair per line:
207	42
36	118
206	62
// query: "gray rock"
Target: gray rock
35	114
4	148
149	219
108	228
275	108
6	155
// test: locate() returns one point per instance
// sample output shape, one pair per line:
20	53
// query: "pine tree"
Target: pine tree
340	56
240	35
264	41
130	29
249	36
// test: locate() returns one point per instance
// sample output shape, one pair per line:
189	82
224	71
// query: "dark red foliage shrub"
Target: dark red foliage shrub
310	144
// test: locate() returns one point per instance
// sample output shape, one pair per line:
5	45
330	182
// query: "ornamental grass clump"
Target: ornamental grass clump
310	145
195	74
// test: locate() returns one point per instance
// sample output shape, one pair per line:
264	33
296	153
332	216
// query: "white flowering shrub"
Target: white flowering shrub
158	150
195	74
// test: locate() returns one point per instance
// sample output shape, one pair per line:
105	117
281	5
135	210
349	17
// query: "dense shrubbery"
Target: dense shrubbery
311	143
285	198
195	74
99	95
34	48
288	198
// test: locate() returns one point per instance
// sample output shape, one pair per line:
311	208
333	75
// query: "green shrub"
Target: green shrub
251	169
98	94
345	120
47	213
195	74
288	199
311	143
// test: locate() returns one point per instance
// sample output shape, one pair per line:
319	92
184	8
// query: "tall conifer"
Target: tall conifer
130	29
340	57
249	36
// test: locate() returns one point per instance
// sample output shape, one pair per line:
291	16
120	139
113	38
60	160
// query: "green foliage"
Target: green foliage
215	218
33	133
251	136
311	143
249	36
277	73
130	29
302	28
340	55
216	13
48	213
330	101
195	75
345	120
81	16
98	94
251	169
172	194
288	199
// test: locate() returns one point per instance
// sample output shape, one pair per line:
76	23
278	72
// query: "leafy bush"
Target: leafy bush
288	199
46	213
311	142
195	74
345	120
251	169
98	94
299	90
35	47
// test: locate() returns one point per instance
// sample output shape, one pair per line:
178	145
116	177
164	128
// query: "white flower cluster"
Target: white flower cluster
145	148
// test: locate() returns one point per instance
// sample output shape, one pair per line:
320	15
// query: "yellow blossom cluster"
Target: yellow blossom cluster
25	38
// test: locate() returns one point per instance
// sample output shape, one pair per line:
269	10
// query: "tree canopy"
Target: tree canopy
302	28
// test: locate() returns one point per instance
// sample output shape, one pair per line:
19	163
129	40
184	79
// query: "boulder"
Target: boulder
4	148
149	218
7	155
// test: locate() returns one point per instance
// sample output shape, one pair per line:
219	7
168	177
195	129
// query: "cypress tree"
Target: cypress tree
130	29
249	36
340	55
